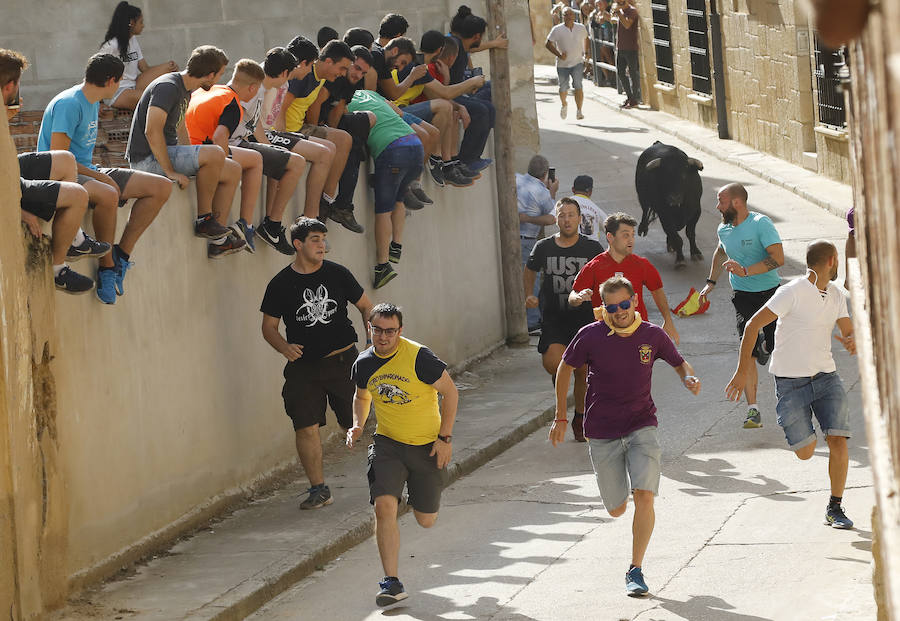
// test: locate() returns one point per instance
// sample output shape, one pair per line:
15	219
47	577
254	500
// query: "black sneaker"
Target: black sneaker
416	188
411	202
437	174
391	592
345	218
278	241
384	275
454	177
467	172
232	244
394	251
762	351
72	282
207	227
835	517
324	210
318	497
90	247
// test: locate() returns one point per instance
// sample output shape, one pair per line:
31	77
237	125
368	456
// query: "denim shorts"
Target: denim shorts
801	398
626	463
564	73
422	110
185	160
395	168
411	119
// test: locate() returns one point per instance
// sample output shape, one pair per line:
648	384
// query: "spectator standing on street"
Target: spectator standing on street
620	416
535	194
311	296
806	379
627	51
750	251
569	42
592	217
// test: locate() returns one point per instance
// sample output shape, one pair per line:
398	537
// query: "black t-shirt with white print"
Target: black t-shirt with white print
558	268
314	307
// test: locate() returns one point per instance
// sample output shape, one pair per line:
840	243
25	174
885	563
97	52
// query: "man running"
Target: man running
620	417
412	442
311	296
620	260
559	258
806	379
750	251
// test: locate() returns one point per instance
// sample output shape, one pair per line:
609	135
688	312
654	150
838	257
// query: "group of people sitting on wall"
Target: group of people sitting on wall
319	108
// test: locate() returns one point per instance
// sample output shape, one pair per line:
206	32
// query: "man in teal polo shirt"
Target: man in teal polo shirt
750	251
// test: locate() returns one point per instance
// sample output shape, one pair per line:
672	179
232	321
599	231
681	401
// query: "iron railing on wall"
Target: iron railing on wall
603	38
698	46
662	41
829	94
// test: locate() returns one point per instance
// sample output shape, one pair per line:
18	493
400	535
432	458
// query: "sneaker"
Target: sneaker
384	275
318	497
753	420
456	178
106	286
625	105
578	427
411	202
394	252
535	331
579	115
479	164
437	174
465	171
391	592
207	227
762	351
277	241
346	219
416	188
834	517
122	266
563	111
634	583
90	247
72	282
232	244
247	233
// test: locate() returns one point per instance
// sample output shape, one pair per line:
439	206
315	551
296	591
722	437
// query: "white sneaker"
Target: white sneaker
579	115
563	112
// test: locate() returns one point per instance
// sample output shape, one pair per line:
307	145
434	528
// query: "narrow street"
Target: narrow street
739	532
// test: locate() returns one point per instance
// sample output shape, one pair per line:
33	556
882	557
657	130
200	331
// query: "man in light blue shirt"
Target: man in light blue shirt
536	195
750	251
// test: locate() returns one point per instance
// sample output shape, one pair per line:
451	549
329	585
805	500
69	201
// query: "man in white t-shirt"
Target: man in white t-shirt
806	380
568	41
592	217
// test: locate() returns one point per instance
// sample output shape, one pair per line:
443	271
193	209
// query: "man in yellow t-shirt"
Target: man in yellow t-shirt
412	442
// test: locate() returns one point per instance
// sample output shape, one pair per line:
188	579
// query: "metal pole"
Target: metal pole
715	26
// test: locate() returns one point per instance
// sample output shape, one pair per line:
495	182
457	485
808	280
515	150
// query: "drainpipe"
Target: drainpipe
715	25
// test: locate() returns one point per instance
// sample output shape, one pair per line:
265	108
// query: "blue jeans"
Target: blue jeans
801	398
185	160
396	167
421	110
576	73
533	314
476	135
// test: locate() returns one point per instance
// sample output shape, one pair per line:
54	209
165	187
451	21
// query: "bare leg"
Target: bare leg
580	390
309	449
71	205
151	192
212	161
642	527
752	380
425	520
250	162
227	186
387	533
562	97
320	154
838	463
342	145
286	186
450	138
63	166
579	98
106	202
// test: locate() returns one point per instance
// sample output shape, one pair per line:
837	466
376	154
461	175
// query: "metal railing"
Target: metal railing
829	93
662	41
603	45
698	46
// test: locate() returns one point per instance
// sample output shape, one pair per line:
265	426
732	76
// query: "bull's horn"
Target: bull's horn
695	163
654	163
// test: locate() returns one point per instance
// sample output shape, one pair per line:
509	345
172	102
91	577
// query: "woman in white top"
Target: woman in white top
121	40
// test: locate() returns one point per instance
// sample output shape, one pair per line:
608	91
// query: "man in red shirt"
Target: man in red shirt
620	260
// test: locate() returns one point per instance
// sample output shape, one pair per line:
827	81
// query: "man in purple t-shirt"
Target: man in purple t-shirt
620	417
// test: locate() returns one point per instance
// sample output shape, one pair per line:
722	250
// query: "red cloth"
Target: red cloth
636	269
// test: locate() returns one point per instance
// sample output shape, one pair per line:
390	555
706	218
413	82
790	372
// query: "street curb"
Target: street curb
248	597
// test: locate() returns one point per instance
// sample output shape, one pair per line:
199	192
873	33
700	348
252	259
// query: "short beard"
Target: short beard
729	215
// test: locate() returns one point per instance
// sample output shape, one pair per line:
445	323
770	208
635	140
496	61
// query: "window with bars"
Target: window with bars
698	46
829	95
662	41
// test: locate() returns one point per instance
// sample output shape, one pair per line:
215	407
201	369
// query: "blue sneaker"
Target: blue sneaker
480	164
106	286
122	266
247	233
634	582
391	592
836	518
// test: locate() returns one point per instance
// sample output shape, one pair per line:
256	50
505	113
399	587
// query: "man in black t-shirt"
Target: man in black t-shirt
559	258
311	296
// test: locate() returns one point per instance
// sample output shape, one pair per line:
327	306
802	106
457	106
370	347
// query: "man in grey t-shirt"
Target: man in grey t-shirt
153	147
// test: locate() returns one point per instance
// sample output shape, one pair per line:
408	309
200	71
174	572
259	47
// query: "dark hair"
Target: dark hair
326	34
362	53
204	60
614	284
402	45
568	200
614	221
467	25
303	226
451	48
432	41
461	14
278	60
386	309
102	67
393	25
335	51
12	64
359	36
120	26
303	49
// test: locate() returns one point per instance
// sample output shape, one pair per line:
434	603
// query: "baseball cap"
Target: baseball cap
583	182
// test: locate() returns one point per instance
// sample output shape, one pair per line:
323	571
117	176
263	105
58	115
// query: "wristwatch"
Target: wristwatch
446	439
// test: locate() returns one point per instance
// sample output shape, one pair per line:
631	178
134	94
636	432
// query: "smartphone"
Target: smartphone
477	71
552	174
420	58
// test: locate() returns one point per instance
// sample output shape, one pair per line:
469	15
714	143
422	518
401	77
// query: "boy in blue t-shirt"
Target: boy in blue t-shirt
750	251
70	124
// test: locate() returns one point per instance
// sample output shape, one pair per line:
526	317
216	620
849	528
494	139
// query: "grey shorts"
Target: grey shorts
185	160
275	159
120	175
627	463
394	464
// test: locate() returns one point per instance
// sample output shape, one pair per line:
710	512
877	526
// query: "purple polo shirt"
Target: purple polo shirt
619	372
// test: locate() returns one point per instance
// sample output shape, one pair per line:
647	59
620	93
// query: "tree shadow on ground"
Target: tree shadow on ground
719	476
706	607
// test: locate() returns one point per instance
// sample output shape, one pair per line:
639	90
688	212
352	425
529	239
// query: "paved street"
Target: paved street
738	533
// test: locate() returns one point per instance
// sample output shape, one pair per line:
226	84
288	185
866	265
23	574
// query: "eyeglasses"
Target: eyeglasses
614	308
376	331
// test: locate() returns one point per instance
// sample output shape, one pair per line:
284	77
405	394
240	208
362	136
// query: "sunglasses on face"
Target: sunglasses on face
614	308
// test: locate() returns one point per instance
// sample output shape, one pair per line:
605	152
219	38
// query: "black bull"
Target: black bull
668	186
